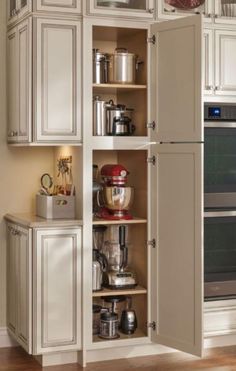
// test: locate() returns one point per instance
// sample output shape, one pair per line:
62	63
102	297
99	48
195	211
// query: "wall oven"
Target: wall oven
220	201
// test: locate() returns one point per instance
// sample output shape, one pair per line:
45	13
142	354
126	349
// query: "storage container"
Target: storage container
55	207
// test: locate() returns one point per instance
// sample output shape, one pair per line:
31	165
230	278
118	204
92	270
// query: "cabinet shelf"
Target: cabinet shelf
138	334
135	220
112	88
138	290
116	142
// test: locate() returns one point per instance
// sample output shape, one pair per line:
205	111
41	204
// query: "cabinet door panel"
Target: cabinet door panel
25	72
58	81
12	272
64	6
58	301
24	327
13	85
133	9
225	62
177	80
177	273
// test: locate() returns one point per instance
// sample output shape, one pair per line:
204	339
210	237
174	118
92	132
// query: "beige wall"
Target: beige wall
20	169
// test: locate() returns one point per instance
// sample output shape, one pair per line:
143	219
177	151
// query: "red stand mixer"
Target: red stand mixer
117	198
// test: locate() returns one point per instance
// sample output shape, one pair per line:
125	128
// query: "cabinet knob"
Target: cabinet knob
209	87
207	15
151	10
218	87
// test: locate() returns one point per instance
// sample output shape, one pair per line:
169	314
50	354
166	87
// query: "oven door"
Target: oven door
220	166
219	254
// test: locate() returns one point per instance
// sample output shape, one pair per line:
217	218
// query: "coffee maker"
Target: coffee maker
116	196
118	276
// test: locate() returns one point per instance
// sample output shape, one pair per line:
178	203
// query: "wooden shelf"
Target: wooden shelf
112	88
135	220
138	290
116	142
138	334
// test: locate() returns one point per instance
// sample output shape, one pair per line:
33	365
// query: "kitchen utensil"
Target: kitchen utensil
100	67
109	326
118	200
100	115
99	266
122	67
46	183
185	4
128	320
119	120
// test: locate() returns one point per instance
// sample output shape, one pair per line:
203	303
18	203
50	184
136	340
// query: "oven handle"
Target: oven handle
219	124
219	213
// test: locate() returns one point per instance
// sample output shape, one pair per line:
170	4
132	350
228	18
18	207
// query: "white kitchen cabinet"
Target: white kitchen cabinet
19	78
58	79
62	6
44	287
168	191
126	9
57	288
55	115
225	59
19	281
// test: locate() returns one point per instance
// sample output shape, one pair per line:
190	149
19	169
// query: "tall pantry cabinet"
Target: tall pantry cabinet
164	158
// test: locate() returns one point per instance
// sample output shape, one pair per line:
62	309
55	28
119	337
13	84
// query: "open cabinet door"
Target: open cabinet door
176	80
177	260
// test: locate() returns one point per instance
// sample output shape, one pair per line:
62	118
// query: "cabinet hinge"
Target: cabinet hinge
152	39
151	160
152	243
151	125
152	325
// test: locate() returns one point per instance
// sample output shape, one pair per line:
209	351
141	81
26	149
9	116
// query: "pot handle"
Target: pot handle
98	199
121	50
137	64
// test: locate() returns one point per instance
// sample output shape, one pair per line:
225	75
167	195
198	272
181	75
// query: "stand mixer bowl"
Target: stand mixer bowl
118	198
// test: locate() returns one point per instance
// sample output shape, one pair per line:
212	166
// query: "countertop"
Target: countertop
34	221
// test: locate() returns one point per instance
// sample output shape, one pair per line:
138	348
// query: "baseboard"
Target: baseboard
5	339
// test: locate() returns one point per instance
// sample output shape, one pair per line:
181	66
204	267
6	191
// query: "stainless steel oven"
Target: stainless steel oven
219	201
220	155
220	254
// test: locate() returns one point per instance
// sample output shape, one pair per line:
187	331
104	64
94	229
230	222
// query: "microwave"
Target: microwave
219	156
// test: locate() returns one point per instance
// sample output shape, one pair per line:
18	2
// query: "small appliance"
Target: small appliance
117	275
128	320
117	198
99	265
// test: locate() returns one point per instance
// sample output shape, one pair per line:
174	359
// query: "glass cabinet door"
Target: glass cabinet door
172	8
129	8
225	10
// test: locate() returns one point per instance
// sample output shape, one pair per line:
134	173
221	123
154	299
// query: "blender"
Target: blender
118	276
116	195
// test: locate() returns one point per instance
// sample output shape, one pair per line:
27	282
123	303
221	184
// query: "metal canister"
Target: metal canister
100	115
122	67
100	67
109	325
